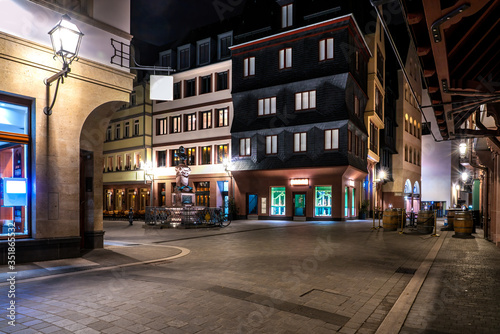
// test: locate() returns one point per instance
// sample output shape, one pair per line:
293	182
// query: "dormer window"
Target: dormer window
183	57
203	51
166	58
287	16
225	41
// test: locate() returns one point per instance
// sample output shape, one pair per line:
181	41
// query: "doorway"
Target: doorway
253	203
299	204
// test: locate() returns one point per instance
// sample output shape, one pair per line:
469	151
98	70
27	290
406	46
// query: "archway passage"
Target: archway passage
92	138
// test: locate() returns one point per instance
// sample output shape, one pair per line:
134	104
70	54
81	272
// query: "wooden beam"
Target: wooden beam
473	28
414	18
423	50
429	73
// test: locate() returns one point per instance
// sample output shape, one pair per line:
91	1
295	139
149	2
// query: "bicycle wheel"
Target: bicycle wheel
224	220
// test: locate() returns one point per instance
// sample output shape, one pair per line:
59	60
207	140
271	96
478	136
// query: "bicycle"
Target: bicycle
215	217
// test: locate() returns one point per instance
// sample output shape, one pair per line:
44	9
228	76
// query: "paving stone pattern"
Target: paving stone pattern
461	293
258	277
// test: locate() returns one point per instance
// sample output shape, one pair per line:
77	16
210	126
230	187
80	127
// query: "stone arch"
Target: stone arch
416	188
92	138
408	188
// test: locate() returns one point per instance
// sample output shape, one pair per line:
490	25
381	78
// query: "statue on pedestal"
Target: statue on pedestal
182	172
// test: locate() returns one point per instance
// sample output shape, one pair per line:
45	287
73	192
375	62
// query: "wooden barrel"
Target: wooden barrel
425	221
391	220
463	223
450	217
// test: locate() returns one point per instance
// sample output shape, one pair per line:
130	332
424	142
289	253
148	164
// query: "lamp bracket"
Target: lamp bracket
59	76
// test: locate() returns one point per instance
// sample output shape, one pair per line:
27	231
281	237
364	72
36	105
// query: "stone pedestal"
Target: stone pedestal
183	199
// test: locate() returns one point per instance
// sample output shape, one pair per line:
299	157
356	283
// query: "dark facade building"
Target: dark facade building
299	142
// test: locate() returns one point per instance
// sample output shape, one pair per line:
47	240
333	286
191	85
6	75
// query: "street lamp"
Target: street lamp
66	39
227	167
465	176
149	172
462	148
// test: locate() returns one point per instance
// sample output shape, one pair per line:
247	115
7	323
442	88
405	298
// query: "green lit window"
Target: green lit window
353	207
346	207
323	201
278	196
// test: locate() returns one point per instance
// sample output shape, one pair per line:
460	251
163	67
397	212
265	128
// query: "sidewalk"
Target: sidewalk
263	277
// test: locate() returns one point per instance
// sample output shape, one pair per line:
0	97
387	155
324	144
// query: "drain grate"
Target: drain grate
404	270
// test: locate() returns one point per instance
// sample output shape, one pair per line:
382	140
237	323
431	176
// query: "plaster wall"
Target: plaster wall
56	138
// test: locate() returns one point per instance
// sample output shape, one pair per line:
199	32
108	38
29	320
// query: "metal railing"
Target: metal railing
187	216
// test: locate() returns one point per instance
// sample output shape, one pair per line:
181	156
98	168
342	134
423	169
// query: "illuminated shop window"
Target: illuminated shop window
14	180
323	201
278	196
353	202
346	207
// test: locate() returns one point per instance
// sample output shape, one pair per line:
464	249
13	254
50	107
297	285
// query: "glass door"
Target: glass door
253	204
299	204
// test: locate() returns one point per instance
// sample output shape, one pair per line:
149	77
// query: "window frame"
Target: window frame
332	137
199	44
218	159
177	88
175	124
206	119
225	117
262	106
190	122
188	90
326	51
163	159
245	147
137	127
118	131
109	133
287	15
165	54
222	84
220	37
181	54
299	99
285	58
206	84
249	67
302	142
203	155
271	145
161	126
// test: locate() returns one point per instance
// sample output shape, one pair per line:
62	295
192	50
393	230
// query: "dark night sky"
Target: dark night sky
161	21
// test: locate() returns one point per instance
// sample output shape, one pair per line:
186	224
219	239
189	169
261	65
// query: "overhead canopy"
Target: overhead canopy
458	45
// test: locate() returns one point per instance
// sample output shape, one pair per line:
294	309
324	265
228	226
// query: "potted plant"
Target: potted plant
363	210
232	208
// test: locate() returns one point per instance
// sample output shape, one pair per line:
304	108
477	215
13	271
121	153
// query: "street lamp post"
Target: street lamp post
227	167
149	173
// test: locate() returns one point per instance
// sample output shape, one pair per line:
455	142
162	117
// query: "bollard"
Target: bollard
379	218
403	215
374	228
435	225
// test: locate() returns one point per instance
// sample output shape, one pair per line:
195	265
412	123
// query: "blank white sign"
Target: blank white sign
161	87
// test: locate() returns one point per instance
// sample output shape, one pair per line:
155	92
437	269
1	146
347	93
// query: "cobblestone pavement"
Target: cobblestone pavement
259	277
462	291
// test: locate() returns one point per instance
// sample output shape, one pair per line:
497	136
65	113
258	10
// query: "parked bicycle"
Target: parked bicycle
214	216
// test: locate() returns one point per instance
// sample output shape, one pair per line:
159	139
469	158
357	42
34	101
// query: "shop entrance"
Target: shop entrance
299	204
253	201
